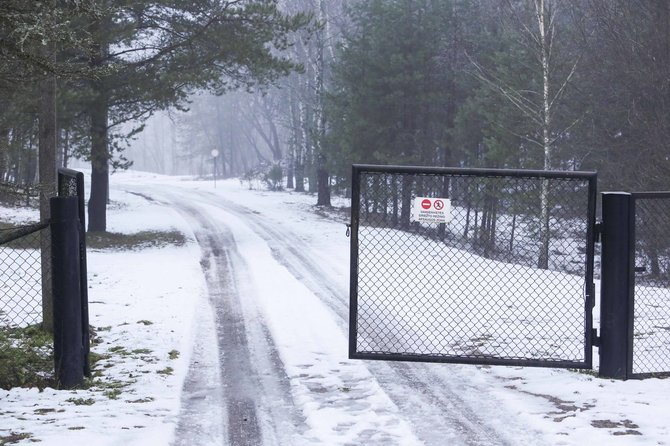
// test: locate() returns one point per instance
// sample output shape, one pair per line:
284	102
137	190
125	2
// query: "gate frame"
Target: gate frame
651	195
617	302
589	286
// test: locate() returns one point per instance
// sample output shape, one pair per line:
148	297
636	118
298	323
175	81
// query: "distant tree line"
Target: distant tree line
540	84
537	84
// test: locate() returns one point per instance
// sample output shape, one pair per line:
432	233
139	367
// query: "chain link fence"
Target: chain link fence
457	265
21	275
651	323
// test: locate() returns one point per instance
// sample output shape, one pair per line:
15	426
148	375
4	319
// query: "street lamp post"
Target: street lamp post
215	154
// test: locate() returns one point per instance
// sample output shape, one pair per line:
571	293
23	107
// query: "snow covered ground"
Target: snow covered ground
264	274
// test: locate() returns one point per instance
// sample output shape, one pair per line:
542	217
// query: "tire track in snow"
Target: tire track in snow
203	390
433	406
256	391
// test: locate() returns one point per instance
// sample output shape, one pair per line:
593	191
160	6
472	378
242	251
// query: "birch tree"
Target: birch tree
534	25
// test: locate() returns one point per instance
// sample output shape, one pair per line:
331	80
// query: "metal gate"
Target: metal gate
650	338
21	274
478	266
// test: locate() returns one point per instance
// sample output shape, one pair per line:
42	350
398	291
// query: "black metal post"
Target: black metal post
66	179
617	286
353	275
68	341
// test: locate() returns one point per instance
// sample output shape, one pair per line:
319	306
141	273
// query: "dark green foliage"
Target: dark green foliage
14	438
399	81
625	87
118	62
273	178
196	45
460	83
138	240
26	358
30	29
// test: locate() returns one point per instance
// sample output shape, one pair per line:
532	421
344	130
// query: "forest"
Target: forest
295	91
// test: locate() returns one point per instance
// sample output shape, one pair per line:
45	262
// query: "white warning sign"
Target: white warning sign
431	210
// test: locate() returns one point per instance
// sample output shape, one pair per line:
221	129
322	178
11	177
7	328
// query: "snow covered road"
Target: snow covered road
273	293
255	393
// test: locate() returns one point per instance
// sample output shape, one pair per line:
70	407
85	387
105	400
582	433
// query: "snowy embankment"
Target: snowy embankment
141	304
144	303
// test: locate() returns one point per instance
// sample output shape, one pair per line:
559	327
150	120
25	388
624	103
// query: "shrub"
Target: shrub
273	178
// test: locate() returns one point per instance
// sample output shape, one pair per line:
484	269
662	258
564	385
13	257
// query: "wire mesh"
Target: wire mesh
651	323
21	275
480	267
67	185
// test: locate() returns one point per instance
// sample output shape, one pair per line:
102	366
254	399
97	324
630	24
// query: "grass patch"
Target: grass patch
141	400
589	372
138	240
142	351
112	394
81	401
119	350
173	354
109	387
26	358
14	438
166	371
95	358
45	410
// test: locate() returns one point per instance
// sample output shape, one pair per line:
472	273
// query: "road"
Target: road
240	391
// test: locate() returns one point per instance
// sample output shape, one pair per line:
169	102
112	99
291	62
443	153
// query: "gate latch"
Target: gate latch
597	231
595	339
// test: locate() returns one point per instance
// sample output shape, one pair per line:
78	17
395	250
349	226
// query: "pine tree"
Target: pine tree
157	53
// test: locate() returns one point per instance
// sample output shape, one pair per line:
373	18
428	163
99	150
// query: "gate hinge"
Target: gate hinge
597	231
592	295
595	339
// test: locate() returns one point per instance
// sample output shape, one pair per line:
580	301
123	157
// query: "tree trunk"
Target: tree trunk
311	167
276	144
47	189
4	153
299	171
97	204
442	228
543	258
394	195
511	235
66	148
406	205
323	188
654	263
232	164
290	168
